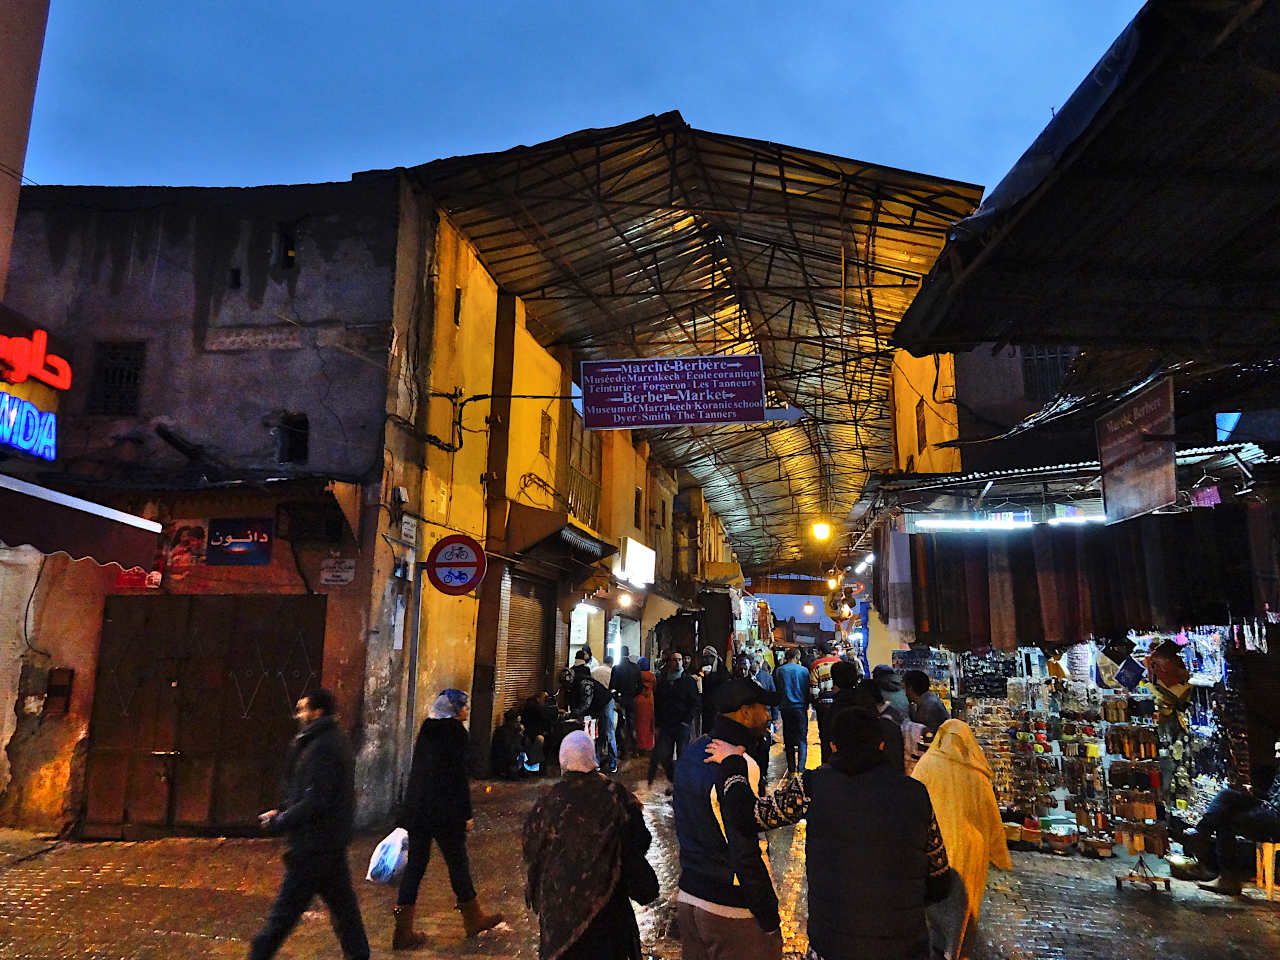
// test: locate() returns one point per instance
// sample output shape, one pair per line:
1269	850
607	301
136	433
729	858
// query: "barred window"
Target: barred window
116	384
1043	371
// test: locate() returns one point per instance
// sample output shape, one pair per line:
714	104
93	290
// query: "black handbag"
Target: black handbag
638	879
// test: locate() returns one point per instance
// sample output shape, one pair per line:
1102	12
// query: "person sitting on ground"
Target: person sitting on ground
577	838
507	756
1233	813
879	827
927	707
959	780
590	699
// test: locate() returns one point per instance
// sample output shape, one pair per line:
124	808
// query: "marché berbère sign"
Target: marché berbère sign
672	392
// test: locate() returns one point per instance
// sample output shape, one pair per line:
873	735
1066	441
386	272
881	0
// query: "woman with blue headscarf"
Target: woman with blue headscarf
437	806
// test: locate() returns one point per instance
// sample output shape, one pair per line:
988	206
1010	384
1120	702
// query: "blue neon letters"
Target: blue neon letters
27	428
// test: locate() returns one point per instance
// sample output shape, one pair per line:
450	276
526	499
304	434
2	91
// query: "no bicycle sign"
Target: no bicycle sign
456	565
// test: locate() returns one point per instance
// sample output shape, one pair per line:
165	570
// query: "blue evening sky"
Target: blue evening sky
233	92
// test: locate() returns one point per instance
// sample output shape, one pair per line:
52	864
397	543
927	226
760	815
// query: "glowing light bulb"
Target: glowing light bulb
808	609
624	600
821	530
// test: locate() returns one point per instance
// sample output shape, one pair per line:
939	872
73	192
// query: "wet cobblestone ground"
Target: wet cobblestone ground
205	898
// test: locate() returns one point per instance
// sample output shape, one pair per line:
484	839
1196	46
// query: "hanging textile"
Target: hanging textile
1004	632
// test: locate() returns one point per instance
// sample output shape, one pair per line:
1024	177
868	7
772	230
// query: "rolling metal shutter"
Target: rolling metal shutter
530	606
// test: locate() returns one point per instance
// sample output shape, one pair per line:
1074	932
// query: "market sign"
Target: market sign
456	564
672	392
23	425
1137	449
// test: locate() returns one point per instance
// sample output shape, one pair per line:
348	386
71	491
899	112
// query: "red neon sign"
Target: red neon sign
29	357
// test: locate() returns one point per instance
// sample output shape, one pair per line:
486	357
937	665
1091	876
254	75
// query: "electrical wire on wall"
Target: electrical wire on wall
26	614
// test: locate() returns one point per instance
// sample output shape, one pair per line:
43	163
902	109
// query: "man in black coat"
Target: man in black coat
676	702
316	820
625	681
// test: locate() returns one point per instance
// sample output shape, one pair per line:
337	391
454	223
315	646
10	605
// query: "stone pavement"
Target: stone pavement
206	897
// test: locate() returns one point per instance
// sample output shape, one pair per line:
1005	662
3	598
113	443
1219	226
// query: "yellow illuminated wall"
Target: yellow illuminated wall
923	389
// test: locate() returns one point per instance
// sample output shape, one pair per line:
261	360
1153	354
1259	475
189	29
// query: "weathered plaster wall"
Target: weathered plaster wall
453	494
531	474
625	468
234	336
45	754
22	25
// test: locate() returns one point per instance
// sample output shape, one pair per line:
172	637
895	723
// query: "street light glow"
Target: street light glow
821	530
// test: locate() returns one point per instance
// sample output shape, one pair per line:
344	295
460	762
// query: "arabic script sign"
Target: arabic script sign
674	392
239	542
456	565
1136	448
25	357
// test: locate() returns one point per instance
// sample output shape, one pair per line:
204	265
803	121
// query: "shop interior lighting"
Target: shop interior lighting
975	523
821	530
808	609
624	600
832	582
1078	520
867	561
586	608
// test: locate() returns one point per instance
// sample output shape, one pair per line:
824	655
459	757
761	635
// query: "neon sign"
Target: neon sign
25	427
29	357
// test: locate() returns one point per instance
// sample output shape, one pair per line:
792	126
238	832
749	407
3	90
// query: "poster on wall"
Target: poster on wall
240	542
1137	450
186	548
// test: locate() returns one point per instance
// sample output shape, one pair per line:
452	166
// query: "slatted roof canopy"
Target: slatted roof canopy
1147	212
656	239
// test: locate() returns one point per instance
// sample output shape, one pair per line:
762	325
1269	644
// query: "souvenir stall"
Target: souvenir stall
1089	751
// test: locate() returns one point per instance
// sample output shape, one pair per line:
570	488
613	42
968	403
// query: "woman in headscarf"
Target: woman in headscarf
575	840
644	706
959	781
437	806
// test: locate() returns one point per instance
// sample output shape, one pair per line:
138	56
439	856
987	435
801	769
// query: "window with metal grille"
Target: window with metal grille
544	435
921	428
1043	370
117	378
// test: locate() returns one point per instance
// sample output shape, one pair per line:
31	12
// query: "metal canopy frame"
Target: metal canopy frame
656	239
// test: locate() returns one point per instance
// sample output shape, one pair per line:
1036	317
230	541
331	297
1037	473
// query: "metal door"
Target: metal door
529	637
193	710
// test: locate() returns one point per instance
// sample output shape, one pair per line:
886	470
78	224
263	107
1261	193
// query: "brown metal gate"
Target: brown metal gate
530	613
193	710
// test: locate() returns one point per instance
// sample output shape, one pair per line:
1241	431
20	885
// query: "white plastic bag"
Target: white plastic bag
389	857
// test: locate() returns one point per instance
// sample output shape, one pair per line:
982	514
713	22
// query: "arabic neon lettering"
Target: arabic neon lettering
25	357
25	427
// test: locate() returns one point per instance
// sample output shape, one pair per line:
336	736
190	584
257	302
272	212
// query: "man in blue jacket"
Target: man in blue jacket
726	905
792	681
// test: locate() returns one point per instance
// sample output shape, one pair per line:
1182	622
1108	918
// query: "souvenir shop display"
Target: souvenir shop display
938	665
1084	763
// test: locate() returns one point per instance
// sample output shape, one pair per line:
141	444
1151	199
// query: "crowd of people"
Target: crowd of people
903	794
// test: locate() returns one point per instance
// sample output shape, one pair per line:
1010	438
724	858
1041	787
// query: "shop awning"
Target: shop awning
54	522
529	527
1144	214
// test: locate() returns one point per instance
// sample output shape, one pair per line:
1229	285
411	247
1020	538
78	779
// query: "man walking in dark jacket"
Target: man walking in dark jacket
727	906
676	703
316	821
625	681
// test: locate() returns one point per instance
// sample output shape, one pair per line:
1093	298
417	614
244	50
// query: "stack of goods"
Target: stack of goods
1035	769
1031	693
937	664
990	721
986	676
1232	725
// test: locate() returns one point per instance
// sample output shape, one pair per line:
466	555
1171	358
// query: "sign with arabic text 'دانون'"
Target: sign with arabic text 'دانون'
240	542
672	392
